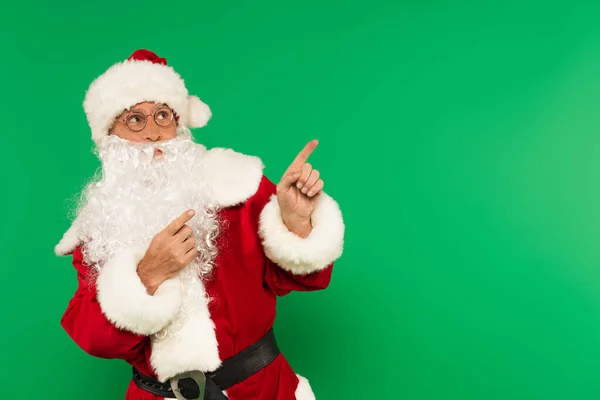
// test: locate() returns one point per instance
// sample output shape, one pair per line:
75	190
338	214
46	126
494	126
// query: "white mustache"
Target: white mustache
114	149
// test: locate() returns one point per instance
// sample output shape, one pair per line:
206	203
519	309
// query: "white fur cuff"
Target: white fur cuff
125	301
303	255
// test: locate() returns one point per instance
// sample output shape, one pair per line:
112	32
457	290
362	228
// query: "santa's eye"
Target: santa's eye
163	117
135	121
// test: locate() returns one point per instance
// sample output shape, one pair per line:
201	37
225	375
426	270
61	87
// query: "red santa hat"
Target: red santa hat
144	76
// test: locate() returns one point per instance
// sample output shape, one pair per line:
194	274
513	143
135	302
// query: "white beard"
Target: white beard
136	196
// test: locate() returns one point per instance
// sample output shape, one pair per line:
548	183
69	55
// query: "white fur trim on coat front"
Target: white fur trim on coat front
303	255
304	391
189	342
125	301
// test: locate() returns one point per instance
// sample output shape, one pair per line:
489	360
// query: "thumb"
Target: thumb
288	180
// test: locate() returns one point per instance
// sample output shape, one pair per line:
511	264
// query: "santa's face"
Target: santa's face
146	122
138	194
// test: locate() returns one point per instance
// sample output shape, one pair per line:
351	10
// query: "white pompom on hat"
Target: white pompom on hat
144	76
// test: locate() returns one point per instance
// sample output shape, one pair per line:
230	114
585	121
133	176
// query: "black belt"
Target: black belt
233	370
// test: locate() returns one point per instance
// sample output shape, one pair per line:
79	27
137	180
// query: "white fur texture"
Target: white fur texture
125	301
304	391
69	242
303	255
133	81
199	112
242	173
190	342
231	177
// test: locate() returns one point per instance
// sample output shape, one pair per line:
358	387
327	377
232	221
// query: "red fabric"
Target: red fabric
244	289
147	55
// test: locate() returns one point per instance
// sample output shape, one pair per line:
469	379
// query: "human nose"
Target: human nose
152	132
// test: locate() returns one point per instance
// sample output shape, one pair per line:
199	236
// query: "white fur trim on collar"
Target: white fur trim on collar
303	255
231	177
69	241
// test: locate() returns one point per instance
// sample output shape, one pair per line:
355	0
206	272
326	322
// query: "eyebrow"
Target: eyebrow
156	107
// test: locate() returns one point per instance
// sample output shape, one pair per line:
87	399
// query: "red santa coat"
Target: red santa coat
259	259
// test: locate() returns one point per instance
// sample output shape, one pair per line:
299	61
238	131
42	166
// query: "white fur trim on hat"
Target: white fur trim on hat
199	112
131	82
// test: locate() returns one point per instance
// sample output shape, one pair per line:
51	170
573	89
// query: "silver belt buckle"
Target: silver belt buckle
197	376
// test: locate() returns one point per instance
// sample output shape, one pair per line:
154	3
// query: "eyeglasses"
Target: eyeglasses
136	121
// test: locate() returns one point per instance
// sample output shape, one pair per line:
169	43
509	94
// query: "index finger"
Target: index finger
302	157
179	222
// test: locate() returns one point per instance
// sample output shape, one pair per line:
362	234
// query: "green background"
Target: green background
459	137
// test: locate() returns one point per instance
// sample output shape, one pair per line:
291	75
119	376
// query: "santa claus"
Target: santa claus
182	251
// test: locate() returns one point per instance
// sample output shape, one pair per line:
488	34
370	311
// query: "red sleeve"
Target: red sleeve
88	327
279	280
